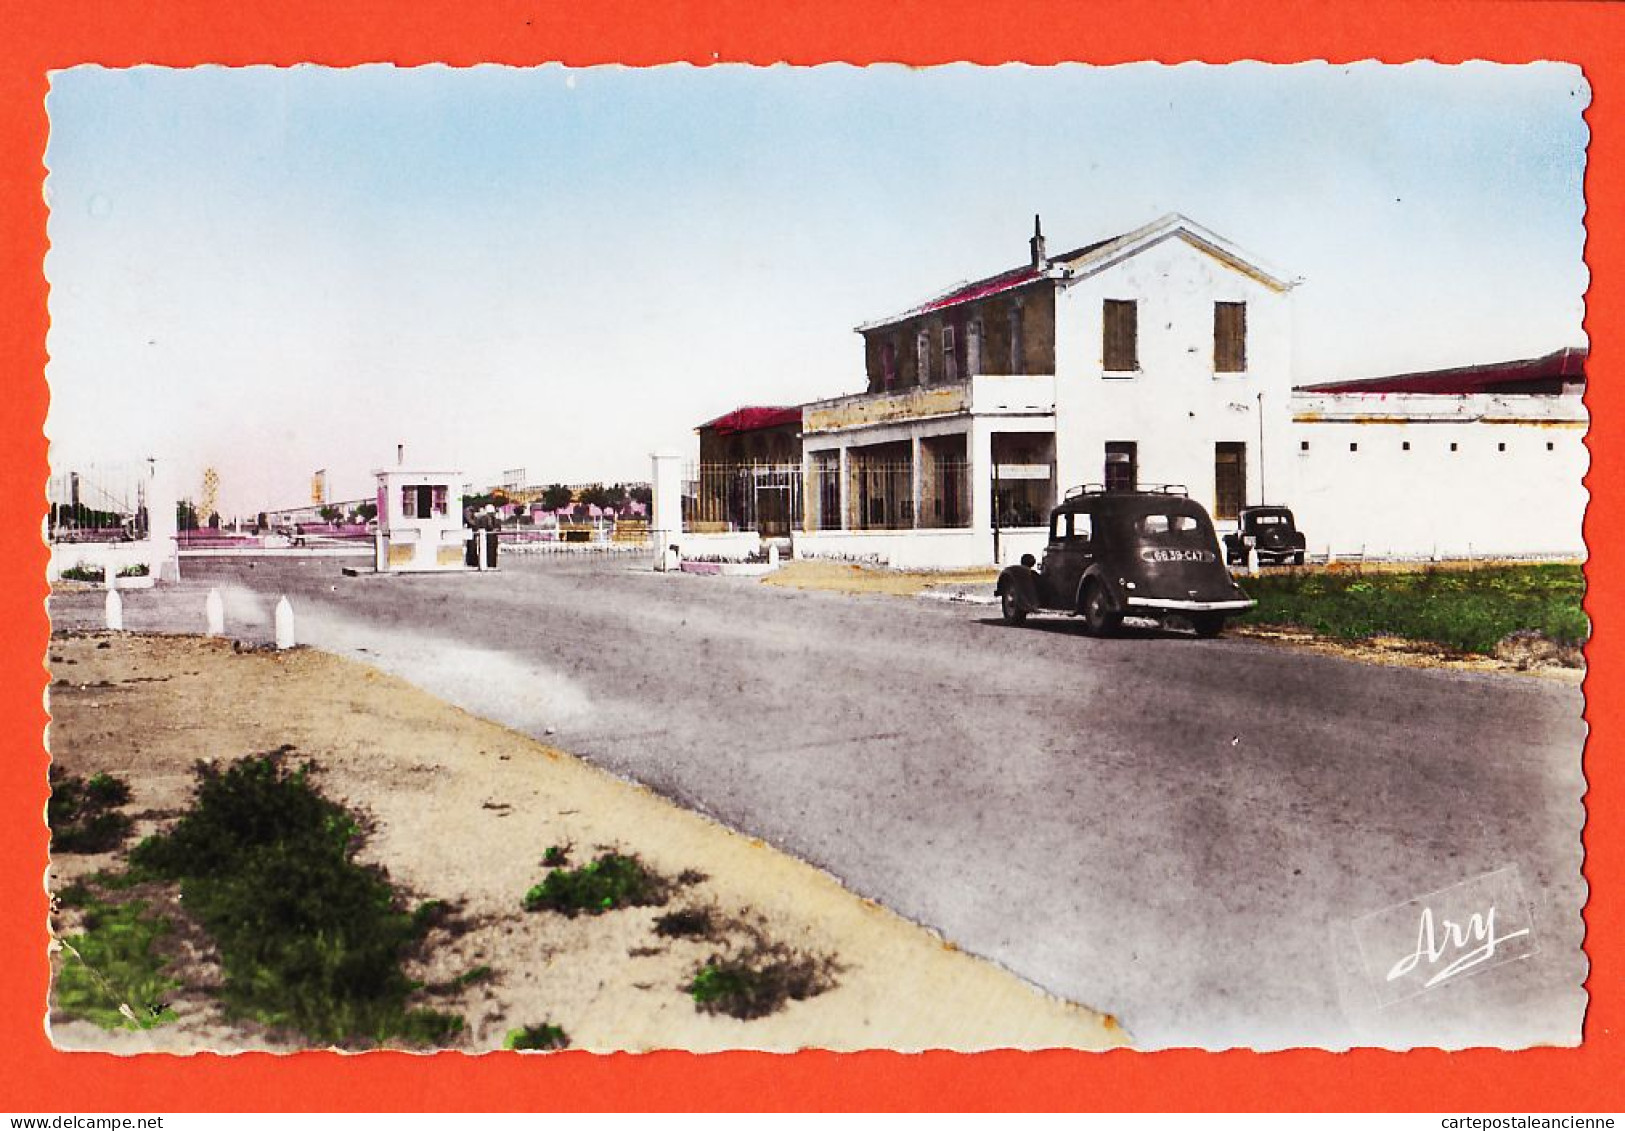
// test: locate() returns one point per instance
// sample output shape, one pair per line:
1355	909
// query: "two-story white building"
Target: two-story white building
1159	356
1163	356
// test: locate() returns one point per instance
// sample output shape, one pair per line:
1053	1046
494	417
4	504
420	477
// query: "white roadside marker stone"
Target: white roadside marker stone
214	612
284	624
115	611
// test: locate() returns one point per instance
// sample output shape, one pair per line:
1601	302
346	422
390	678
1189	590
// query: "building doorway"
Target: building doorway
1229	480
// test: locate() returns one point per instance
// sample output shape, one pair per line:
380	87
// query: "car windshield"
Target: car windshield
1172	530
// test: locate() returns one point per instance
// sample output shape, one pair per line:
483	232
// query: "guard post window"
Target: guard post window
1229	337
1120	345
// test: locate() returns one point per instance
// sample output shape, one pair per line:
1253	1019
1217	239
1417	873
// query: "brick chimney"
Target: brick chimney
1037	245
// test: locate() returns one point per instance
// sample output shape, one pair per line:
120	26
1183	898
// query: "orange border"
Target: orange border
183	32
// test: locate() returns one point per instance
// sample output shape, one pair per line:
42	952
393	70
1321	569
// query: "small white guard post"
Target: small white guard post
284	624
214	614
115	611
666	509
1252	561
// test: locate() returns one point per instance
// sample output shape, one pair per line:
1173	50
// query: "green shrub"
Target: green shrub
557	856
109	973
139	569
542	1037
687	923
83	572
608	882
759	980
81	813
105	789
307	937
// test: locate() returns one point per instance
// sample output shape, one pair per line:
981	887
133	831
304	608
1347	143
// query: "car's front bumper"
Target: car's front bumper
1176	606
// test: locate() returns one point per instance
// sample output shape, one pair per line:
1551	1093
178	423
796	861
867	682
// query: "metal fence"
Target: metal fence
99	502
875	495
727	498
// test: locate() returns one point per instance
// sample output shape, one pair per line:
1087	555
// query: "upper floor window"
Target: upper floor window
888	363
950	357
973	348
1229	337
1018	364
922	357
1120	345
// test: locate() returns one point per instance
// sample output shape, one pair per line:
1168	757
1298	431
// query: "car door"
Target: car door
1069	554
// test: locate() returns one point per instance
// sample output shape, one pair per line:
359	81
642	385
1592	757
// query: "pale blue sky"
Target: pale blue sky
272	271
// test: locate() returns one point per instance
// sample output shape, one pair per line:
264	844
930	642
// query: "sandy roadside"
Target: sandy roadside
461	809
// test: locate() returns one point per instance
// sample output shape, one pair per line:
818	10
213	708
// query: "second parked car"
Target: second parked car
1271	532
1113	554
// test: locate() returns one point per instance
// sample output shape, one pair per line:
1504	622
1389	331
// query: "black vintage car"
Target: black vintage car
1271	531
1113	554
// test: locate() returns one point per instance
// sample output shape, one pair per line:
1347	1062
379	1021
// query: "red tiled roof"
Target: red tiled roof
995	284
753	417
1534	375
992	285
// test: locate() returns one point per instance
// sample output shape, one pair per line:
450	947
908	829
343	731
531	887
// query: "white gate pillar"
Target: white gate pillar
666	507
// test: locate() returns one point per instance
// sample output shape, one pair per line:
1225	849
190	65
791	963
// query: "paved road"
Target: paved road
1173	830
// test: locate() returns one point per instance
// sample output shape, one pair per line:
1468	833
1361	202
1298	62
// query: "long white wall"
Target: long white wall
1175	408
1481	476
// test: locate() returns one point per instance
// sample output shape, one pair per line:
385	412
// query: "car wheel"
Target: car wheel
1013	613
1208	625
1297	558
1099	618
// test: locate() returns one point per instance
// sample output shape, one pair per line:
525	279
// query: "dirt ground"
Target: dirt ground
847	577
462	810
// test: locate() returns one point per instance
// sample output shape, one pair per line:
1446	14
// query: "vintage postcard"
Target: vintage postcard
817	558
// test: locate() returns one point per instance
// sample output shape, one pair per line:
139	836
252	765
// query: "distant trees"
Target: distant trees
186	515
556	497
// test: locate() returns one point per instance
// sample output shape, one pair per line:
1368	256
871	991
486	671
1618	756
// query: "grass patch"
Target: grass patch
1468	610
83	814
109	973
759	980
556	856
609	882
307	937
536	1038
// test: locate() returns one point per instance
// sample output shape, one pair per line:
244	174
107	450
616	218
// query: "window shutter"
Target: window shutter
1230	337
1120	348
